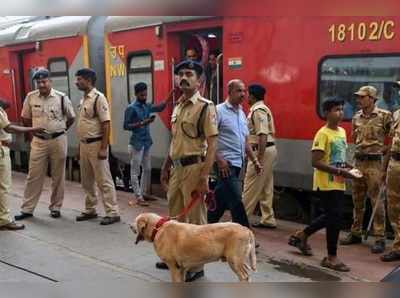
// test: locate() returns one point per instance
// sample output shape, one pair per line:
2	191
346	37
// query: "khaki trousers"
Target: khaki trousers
5	185
182	183
95	171
368	186
393	200
261	188
43	152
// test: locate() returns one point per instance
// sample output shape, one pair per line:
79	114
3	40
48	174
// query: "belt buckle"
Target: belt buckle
177	163
44	136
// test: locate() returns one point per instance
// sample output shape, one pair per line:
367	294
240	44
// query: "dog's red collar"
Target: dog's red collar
158	225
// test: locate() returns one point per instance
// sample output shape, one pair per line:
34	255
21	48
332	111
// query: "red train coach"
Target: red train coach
300	60
59	44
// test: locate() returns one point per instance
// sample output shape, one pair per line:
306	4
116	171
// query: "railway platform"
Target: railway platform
62	250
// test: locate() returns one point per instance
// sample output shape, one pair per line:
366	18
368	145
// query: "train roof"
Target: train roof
45	29
122	23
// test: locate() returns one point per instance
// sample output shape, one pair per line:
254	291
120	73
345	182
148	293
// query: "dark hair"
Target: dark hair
331	102
4	104
257	91
191	48
139	87
88	74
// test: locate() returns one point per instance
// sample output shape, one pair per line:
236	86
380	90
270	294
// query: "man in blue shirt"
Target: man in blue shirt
231	150
137	119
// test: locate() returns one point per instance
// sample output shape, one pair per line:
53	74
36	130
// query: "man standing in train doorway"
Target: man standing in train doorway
6	223
93	133
53	111
192	152
260	188
137	119
370	126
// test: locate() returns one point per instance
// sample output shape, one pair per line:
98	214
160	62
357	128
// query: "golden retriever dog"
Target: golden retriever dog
184	246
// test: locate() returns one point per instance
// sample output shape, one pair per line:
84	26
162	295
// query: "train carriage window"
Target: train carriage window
342	76
58	68
140	70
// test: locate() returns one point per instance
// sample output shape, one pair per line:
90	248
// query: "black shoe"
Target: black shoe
192	276
162	266
12	226
263	226
391	256
22	216
378	247
108	220
351	239
257	245
55	214
86	216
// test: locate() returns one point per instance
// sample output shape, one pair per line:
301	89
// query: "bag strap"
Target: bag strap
95	106
201	120
62	105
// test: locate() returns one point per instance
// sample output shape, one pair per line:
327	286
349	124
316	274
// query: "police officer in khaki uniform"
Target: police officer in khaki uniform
192	151
51	110
6	223
94	132
392	165
260	188
370	126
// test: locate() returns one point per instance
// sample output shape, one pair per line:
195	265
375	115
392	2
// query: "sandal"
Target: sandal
337	267
297	242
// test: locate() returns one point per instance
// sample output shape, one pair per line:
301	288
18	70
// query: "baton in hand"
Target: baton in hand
380	199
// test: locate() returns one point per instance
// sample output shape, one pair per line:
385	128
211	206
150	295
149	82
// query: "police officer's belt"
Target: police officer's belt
188	160
364	157
49	136
395	155
269	144
91	140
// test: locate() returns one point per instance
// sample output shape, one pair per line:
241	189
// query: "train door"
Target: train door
204	46
21	85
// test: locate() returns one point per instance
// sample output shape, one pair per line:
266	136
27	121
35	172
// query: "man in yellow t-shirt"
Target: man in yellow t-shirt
330	169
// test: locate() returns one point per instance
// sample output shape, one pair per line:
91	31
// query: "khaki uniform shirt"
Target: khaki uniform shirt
89	123
260	121
395	134
369	132
47	111
184	126
4	136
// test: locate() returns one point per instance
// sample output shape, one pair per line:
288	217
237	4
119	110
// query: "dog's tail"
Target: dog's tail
252	255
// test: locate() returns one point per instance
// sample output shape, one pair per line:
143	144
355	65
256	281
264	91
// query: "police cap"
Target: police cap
189	64
257	91
41	74
367	91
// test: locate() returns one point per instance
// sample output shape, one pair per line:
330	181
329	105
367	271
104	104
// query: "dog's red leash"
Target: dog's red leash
209	200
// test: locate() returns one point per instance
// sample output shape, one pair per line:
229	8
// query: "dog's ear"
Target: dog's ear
141	226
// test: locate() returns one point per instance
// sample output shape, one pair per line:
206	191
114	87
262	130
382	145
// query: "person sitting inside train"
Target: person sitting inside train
137	120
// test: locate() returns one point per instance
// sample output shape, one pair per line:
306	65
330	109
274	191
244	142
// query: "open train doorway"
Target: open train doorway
205	46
